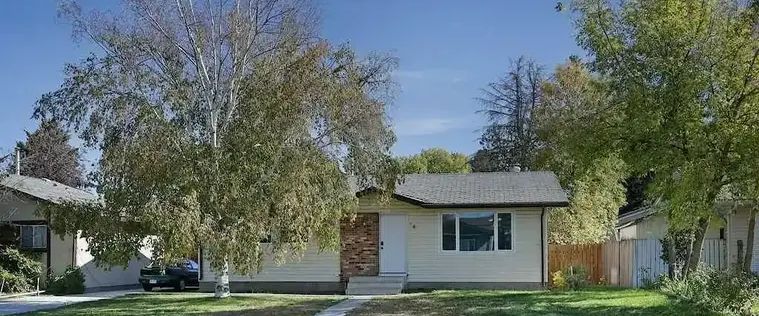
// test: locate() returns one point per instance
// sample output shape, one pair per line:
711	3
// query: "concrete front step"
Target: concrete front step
378	279
375	285
373	291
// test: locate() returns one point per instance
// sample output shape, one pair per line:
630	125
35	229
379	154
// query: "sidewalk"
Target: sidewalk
25	304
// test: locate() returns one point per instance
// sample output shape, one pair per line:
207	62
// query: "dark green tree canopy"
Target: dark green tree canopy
47	153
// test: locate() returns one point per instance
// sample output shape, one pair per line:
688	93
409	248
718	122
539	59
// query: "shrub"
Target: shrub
723	291
70	282
18	270
13	283
572	278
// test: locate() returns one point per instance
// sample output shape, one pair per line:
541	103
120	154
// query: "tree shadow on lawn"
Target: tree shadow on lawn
588	302
178	304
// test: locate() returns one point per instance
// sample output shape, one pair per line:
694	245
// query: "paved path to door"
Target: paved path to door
25	304
340	309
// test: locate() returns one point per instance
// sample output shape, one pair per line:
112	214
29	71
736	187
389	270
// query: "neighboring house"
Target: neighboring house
475	230
20	197
640	233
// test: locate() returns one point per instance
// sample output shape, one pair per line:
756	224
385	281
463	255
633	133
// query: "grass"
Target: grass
601	301
199	304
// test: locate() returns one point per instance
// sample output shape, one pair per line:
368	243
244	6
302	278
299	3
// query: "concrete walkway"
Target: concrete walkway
25	304
340	309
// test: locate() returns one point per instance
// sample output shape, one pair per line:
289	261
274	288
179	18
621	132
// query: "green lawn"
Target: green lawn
588	302
199	304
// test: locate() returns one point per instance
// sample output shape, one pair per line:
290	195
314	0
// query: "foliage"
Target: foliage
434	160
47	154
18	270
571	113
571	278
509	139
14	283
559	280
220	126
730	292
683	77
70	282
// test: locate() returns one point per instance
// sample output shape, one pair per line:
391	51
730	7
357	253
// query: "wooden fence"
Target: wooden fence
561	257
626	263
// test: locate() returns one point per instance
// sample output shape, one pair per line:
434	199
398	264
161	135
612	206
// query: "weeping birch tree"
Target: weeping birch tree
220	123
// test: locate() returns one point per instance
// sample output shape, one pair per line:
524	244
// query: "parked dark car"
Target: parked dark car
177	276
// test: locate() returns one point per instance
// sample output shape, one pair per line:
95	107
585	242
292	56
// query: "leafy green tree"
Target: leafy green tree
683	77
571	125
509	139
47	153
220	124
434	160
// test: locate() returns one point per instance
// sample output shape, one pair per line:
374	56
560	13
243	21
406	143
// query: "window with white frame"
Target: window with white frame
33	236
476	231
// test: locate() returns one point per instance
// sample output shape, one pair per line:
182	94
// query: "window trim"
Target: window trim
45	238
495	232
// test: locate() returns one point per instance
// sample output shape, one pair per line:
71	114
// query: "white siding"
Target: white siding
95	276
314	266
428	263
655	227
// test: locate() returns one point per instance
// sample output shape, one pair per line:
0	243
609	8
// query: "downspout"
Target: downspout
542	249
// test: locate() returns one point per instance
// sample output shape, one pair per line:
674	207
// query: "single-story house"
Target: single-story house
20	196
727	231
475	230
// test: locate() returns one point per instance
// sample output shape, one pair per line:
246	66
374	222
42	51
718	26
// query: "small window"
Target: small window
504	231
449	231
33	237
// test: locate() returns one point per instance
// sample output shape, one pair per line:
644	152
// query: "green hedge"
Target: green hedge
18	272
70	282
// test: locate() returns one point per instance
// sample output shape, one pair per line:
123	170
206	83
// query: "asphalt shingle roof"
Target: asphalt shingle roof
45	189
528	188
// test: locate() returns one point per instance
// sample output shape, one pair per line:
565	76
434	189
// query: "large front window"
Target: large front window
476	231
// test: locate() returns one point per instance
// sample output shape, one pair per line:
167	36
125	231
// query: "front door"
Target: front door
393	244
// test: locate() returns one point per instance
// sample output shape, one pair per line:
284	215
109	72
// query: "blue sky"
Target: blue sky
448	51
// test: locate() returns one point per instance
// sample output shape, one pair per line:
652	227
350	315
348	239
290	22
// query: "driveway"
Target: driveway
32	303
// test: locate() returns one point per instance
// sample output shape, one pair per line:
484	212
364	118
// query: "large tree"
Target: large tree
47	153
573	110
434	160
509	139
684	75
220	123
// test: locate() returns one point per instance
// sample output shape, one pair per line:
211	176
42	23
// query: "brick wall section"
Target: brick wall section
359	241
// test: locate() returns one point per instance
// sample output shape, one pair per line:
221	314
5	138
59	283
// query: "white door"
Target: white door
393	244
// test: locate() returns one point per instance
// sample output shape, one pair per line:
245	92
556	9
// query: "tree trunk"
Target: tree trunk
222	281
698	241
671	256
750	240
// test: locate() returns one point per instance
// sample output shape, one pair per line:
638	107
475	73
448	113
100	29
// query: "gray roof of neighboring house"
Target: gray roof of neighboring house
493	189
45	189
635	215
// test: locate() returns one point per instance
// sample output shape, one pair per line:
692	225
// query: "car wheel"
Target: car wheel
147	288
180	285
